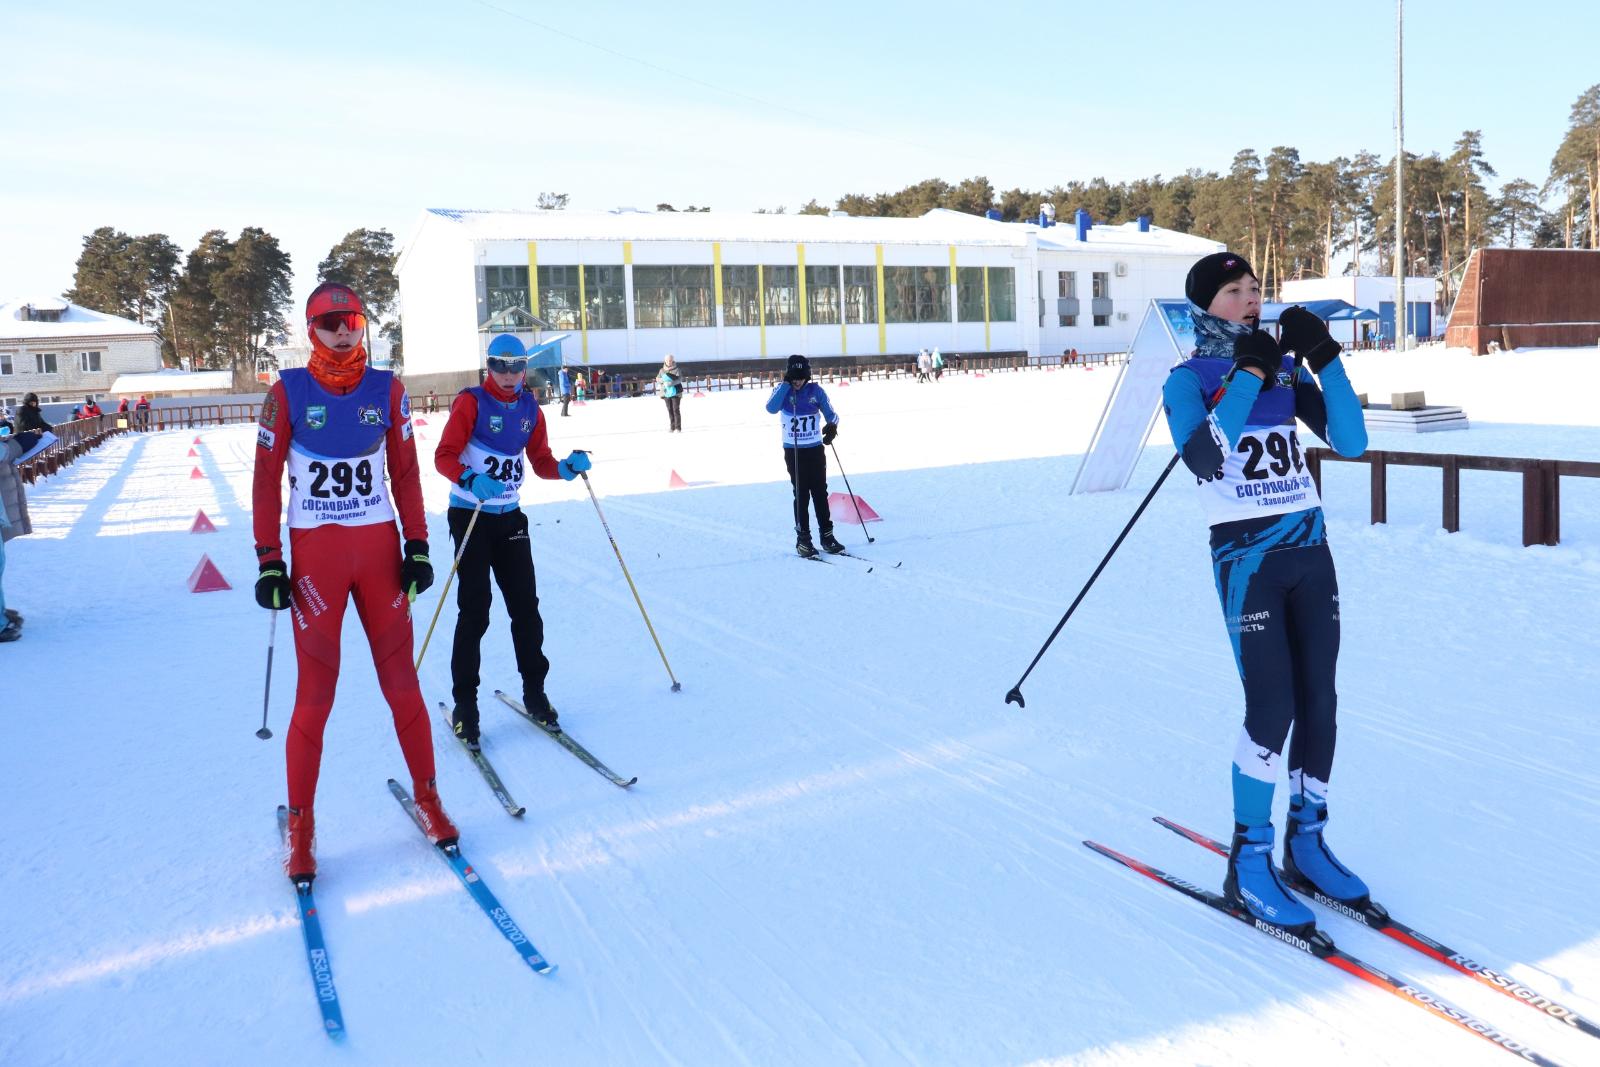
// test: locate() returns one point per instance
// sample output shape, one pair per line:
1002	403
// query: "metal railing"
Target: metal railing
1541	484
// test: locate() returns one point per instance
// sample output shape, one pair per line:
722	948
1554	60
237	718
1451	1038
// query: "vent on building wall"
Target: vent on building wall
1121	270
1122	316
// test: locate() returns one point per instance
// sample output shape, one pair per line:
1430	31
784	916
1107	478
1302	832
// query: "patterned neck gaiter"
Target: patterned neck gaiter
1214	337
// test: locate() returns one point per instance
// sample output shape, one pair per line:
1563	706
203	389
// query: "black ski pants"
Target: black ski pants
810	482
674	412
499	544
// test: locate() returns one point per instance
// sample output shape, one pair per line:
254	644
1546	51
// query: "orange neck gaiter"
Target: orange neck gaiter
334	372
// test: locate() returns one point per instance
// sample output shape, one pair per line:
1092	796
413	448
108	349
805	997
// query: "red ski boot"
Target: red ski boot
435	823
301	862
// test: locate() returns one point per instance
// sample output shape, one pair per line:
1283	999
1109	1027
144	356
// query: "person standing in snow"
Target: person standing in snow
938	364
669	384
14	521
1232	409
29	417
338	424
565	380
494	433
808	423
924	366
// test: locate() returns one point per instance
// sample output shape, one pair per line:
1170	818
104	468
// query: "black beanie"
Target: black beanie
1211	273
799	368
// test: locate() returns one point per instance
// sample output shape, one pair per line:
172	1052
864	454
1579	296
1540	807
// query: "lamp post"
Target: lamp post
1399	177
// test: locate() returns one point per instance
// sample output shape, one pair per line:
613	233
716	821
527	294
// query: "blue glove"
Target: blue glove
573	465
481	485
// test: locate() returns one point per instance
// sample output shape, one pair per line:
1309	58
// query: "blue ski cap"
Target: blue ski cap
506	355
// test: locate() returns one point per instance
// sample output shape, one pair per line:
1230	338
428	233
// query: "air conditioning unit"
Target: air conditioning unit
1120	270
1122	316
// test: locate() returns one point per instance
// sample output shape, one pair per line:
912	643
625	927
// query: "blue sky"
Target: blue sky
311	119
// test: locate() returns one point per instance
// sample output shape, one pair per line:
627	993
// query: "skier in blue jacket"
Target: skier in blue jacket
1233	409
808	423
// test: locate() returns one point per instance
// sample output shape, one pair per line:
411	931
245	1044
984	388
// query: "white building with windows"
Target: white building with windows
64	352
631	286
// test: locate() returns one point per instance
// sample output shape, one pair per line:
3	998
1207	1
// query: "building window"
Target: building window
1067	289
1102	285
558	296
606	298
506	287
916	294
969	294
740	301
1102	320
89	362
860	295
783	295
44	363
822	296
1002	294
6	364
672	296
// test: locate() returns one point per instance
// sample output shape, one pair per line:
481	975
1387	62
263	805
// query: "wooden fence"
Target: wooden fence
77	438
1541	484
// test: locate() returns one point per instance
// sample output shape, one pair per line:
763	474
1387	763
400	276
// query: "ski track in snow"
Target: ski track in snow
843	847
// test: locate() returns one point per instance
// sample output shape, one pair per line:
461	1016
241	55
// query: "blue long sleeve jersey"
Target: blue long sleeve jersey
803	412
1208	441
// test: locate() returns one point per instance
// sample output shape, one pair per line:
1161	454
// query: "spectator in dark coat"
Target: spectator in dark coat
13	519
29	417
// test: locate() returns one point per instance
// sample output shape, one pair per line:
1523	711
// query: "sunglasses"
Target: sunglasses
507	366
334	321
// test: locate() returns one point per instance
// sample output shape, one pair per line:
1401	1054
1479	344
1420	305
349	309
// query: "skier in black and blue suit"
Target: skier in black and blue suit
1233	409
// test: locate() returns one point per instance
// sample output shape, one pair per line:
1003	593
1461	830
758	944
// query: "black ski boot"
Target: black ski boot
538	706
831	543
464	720
804	546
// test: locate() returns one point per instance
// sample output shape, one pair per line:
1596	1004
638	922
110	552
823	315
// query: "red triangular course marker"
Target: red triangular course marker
843	509
206	578
202	524
677	482
420	421
195	474
192	452
197	440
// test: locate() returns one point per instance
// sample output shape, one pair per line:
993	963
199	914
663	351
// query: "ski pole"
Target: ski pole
266	693
476	511
676	685
1015	696
852	493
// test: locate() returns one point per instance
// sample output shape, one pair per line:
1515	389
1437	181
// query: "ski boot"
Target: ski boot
1309	865
831	543
12	630
13	615
804	547
430	810
538	706
1253	883
301	863
464	721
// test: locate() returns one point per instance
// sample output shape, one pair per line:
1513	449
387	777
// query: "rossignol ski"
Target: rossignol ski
479	892
316	948
1321	946
1378	918
564	739
485	768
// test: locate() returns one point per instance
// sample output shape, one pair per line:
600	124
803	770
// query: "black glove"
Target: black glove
1257	350
1306	334
272	587
830	430
416	572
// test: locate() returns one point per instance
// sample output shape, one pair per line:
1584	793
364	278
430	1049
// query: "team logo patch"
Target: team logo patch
405	405
527	425
266	438
496	423
369	416
1285	379
269	410
316	416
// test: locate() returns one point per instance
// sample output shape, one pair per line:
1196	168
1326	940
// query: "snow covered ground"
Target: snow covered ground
843	847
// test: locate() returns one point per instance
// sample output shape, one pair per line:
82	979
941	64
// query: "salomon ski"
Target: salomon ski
316	948
479	892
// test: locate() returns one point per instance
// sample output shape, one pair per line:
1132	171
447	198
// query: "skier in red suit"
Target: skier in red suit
336	425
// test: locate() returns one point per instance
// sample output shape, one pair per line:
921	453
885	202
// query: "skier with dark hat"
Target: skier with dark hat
338	425
808	422
494	433
1233	409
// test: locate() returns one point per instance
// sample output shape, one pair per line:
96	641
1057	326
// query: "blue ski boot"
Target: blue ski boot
1253	883
1308	863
